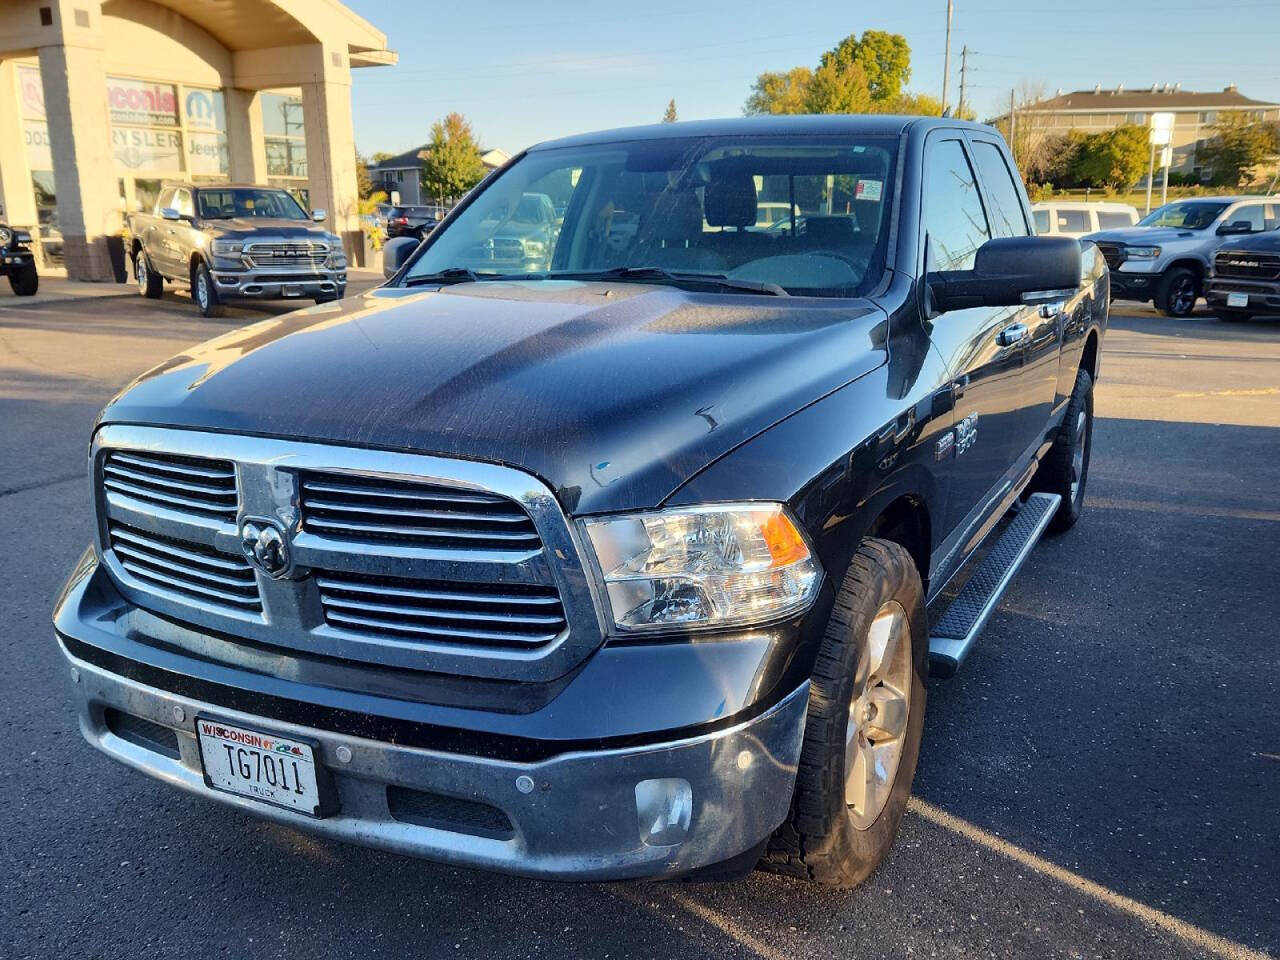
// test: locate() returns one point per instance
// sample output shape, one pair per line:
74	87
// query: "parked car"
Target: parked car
617	570
1245	279
410	221
234	242
1066	218
17	262
1166	257
520	236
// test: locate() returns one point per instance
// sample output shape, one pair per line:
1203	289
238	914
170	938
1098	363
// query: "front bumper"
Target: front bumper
278	285
1135	280
582	815
1263	296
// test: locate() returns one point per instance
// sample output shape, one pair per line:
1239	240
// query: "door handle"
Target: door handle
1011	334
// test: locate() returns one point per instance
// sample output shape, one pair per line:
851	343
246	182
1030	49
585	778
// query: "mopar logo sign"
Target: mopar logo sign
202	110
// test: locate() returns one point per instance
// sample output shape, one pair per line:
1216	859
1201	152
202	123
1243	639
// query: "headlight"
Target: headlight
21	236
1142	253
708	566
227	248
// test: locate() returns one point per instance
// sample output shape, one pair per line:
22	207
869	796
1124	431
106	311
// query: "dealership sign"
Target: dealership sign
141	104
147	149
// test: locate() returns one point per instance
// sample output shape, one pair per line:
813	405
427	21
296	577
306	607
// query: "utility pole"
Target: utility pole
964	77
946	58
1013	129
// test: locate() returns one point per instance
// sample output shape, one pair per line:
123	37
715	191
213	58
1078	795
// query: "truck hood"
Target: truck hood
263	227
612	394
1268	242
1144	236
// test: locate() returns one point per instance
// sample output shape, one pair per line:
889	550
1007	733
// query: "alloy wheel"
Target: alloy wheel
878	713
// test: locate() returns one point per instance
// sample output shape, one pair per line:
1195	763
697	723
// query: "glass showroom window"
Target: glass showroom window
286	143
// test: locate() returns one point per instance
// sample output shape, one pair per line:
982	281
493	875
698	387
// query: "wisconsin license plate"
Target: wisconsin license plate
1237	299
259	765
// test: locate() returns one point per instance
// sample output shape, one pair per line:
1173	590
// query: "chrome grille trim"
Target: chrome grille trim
489	607
205	487
186	569
305	253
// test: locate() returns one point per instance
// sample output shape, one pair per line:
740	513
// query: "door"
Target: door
980	345
1043	339
159	234
182	234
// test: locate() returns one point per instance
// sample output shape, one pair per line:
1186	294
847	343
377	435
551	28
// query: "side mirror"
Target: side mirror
319	216
1235	226
395	253
170	213
1009	271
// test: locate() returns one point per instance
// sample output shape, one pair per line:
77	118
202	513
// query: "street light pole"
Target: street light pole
946	59
1151	174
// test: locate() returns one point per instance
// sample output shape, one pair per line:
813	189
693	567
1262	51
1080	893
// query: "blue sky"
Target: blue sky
524	72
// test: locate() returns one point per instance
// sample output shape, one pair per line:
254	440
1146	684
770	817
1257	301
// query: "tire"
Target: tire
1065	468
25	282
150	283
204	293
826	838
1177	293
1233	316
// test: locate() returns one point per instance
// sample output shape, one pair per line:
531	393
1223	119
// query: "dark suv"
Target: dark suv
617	569
410	221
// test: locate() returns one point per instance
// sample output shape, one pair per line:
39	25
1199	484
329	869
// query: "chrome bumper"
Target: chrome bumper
654	810
278	285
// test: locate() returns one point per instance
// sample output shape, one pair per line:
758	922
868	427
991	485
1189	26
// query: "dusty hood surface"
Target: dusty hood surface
614	394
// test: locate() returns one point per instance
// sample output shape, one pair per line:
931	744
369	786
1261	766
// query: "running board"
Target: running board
959	627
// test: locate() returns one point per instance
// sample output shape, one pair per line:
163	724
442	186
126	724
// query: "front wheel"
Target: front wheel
1177	293
866	717
26	281
204	293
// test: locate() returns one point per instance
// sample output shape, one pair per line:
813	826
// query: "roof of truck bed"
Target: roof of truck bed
798	125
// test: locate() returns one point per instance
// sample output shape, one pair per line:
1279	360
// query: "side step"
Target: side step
954	634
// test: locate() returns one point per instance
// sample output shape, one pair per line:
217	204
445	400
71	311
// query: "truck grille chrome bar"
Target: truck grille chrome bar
395	559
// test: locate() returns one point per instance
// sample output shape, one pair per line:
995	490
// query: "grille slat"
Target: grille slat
206	488
1247	266
296	253
450	613
372	509
191	570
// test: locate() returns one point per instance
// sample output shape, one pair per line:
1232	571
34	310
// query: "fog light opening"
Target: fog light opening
664	808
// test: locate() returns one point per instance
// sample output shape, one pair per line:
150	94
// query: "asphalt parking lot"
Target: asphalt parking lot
1100	781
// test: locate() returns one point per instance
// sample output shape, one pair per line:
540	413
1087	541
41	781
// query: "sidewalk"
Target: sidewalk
56	288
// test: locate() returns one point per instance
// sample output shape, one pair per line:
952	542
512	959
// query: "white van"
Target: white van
1064	218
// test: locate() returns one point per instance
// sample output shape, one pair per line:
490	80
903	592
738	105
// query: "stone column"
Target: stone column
244	136
15	171
75	100
331	149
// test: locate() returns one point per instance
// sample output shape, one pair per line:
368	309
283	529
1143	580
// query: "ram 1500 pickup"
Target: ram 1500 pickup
623	568
1245	279
234	242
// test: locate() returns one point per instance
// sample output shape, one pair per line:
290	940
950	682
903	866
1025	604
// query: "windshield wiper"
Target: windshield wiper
673	277
444	277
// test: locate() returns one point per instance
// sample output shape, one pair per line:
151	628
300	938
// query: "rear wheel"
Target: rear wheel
866	717
26	281
150	283
204	293
1177	293
1065	468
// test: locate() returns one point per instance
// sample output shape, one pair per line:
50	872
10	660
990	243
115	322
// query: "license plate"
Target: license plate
259	765
292	290
1237	299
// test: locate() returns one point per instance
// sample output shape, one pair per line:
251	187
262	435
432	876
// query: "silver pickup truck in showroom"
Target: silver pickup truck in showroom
235	242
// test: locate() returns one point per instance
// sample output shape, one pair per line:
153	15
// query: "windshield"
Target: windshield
226	203
805	214
1189	214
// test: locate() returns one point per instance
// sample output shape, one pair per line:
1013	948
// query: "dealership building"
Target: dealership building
102	100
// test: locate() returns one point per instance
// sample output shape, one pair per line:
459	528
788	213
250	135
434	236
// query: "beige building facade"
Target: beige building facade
102	100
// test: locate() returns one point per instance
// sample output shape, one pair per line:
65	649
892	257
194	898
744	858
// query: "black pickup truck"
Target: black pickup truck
631	567
1244	280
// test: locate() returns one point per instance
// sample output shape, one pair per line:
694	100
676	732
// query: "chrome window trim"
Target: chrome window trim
267	472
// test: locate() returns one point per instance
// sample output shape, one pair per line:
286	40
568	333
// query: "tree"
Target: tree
838	89
669	115
364	182
885	60
779	92
1113	158
1238	145
452	165
379	156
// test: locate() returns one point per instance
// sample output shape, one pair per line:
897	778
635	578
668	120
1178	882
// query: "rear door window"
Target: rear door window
1004	201
1073	221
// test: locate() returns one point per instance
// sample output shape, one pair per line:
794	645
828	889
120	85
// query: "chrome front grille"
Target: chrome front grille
188	570
394	559
1247	266
304	253
410	512
185	484
449	612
